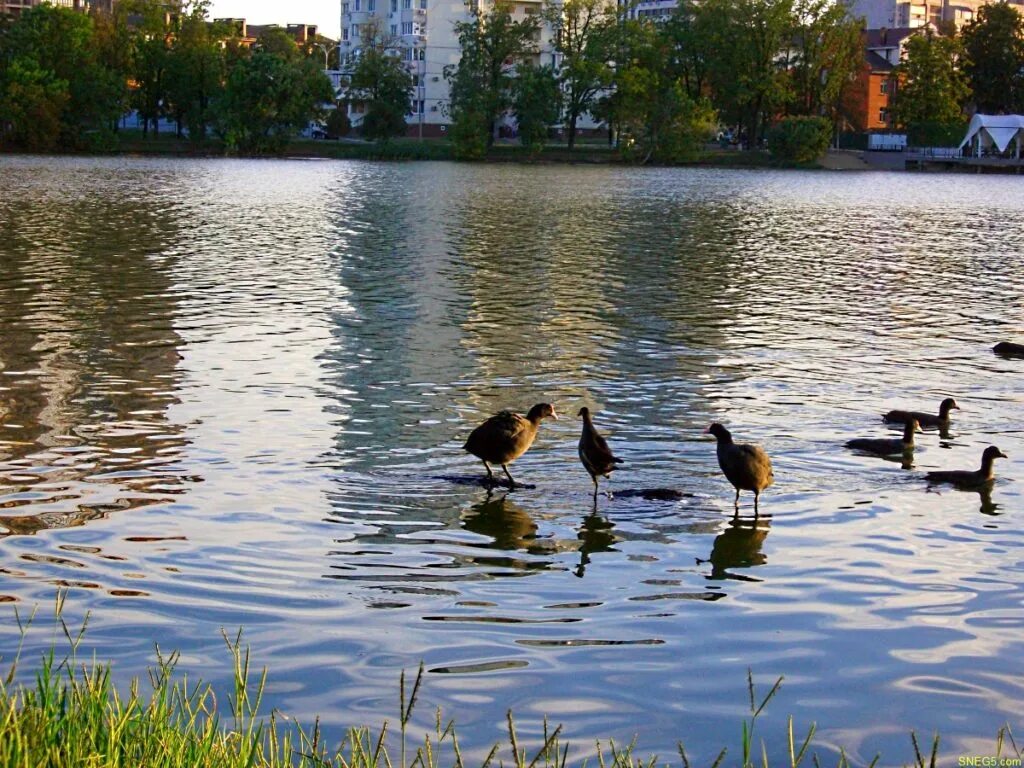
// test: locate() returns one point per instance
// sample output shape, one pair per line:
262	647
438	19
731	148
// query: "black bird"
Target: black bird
884	446
595	454
924	419
1009	348
976	478
747	467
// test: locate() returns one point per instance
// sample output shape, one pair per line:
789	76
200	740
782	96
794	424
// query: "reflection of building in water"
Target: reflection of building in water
739	546
89	357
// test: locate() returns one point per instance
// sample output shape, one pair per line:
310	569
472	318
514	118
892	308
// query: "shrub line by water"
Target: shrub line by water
73	715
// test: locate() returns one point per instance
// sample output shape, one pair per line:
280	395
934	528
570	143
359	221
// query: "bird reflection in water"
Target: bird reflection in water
508	525
595	535
739	546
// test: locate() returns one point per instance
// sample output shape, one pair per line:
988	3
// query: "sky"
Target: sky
326	14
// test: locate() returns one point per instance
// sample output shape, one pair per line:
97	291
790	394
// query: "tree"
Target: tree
583	37
195	71
49	51
536	106
656	117
801	139
826	57
381	83
932	87
153	34
994	44
744	39
31	103
268	97
481	84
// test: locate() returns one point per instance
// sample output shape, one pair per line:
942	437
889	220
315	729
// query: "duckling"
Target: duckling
926	420
887	446
970	479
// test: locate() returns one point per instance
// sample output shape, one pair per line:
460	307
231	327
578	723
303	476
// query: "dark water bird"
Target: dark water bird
747	467
886	446
926	420
506	436
971	479
594	452
1009	348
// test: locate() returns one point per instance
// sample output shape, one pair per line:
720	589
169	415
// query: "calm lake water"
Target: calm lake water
234	394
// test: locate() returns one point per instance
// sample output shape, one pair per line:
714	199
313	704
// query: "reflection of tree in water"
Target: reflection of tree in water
739	546
90	359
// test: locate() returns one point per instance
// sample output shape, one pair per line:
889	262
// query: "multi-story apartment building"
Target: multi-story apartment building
916	13
424	31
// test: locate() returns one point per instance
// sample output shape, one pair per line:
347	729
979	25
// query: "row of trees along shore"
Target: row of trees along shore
782	70
67	78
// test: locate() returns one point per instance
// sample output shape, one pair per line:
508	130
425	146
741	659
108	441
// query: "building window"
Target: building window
406	27
344	34
423	5
394	30
883	116
885	86
355	32
371	5
358	5
394	6
407	4
344	7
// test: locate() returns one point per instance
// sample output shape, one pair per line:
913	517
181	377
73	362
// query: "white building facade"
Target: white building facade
879	14
426	32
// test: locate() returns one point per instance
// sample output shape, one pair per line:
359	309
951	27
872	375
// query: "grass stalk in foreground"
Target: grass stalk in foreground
73	715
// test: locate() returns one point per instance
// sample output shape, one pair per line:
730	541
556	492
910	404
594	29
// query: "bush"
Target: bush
800	139
935	134
338	123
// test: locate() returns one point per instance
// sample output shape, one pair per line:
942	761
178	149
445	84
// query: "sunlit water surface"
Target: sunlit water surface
234	394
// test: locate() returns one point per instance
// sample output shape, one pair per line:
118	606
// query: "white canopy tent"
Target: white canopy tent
987	131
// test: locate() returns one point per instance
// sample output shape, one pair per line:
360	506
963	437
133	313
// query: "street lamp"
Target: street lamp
325	48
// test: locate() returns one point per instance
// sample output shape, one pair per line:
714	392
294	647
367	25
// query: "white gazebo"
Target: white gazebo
987	131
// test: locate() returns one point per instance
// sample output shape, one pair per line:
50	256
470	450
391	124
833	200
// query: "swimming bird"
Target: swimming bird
595	454
506	436
924	419
747	467
976	478
1009	348
887	446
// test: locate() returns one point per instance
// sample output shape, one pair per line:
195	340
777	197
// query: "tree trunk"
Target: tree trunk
572	130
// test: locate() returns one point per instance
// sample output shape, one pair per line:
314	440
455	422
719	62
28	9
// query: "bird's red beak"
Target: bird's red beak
707	430
553	414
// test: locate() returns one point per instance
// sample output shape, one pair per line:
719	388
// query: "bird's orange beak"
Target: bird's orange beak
553	414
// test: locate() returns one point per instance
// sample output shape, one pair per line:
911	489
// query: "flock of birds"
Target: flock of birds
506	436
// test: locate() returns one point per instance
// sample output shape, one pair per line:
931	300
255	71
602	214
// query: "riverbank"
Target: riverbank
584	153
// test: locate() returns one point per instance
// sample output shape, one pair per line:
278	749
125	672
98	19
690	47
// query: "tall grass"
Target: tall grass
71	714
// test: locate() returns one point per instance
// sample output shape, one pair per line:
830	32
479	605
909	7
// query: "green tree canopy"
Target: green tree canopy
536	105
380	81
994	65
492	43
583	36
933	88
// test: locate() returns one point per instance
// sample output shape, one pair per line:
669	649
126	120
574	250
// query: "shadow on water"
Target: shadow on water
596	534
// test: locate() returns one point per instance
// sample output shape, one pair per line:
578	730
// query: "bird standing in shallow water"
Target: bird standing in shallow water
506	436
927	420
747	467
595	454
973	479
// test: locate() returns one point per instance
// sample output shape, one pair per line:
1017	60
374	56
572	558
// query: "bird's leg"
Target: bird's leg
736	501
757	494
608	493
490	475
512	483
594	480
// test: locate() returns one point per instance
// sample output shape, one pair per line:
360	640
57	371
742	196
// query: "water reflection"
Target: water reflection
595	535
90	360
739	546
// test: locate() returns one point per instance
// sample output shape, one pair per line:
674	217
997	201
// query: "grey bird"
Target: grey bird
971	479
747	467
595	454
926	420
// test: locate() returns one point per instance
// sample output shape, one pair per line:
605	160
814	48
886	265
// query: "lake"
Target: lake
234	395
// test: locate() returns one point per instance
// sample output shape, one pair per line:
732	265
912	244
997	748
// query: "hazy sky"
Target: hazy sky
326	14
